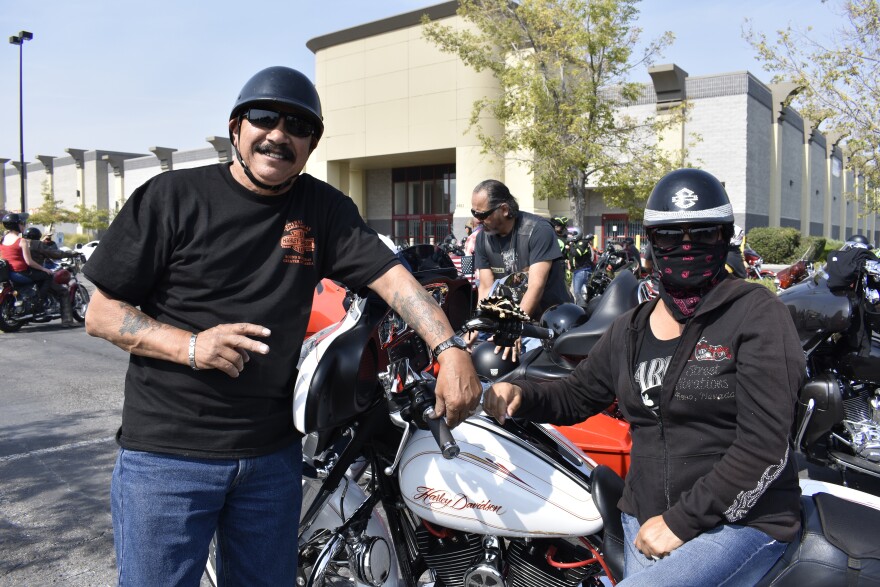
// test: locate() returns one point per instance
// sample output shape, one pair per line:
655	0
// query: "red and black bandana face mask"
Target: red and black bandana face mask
687	272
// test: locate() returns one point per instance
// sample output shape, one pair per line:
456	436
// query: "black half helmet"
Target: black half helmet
12	220
688	196
859	241
489	365
562	317
281	86
32	234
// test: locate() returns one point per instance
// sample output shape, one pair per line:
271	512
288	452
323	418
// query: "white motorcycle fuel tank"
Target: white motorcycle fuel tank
496	485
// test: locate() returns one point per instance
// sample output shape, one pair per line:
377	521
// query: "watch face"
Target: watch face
459	342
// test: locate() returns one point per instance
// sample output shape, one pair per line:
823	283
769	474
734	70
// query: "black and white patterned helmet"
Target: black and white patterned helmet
688	196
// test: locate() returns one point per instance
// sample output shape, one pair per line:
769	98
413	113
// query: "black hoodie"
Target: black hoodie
707	458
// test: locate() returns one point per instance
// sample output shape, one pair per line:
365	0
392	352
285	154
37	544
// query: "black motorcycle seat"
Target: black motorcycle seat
620	297
606	487
814	560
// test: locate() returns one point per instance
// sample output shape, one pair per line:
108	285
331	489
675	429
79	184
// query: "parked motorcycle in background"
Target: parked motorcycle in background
754	265
610	263
798	271
838	419
19	304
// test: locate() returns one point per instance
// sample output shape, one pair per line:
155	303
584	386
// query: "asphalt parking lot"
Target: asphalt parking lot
60	406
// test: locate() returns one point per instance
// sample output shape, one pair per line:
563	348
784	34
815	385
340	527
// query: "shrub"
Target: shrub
775	245
74	239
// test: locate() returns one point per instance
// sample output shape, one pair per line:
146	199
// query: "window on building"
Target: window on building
422	203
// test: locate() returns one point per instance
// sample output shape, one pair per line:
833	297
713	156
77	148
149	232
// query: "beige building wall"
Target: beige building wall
392	99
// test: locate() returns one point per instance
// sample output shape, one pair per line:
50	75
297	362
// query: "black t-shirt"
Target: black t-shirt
705	380
518	251
651	364
195	249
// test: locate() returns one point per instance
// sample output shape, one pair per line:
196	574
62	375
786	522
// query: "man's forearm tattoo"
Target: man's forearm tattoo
421	312
134	321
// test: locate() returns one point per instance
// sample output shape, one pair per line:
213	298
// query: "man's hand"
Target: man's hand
502	400
225	347
514	351
458	389
655	539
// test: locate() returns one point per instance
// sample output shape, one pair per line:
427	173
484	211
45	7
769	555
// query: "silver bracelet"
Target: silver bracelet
192	352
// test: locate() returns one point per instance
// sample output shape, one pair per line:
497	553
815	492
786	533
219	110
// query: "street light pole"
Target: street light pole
22	172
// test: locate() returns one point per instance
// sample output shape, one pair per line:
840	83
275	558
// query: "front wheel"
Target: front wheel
80	303
8	322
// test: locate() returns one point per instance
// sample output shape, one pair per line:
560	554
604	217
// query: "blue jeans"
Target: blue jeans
166	508
578	279
728	555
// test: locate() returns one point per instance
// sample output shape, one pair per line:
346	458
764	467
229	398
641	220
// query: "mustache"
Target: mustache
270	149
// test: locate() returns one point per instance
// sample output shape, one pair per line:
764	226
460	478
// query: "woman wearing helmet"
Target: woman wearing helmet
15	250
712	496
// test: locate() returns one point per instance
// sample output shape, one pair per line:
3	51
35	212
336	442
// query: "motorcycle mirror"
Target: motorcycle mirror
513	287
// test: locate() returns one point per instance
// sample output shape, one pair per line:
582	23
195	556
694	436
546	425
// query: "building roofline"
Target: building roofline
385	25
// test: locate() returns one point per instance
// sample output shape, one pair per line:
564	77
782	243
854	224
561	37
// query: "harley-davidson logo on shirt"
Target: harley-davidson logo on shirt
299	241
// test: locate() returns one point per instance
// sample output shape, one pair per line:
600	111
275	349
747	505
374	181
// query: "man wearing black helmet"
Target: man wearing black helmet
712	495
41	252
206	276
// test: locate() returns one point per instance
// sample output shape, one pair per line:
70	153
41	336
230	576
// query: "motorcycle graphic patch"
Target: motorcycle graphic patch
685	198
711	352
297	239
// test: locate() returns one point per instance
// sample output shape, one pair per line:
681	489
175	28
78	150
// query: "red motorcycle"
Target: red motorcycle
19	304
754	262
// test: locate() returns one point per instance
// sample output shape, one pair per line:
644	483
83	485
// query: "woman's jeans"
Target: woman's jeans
729	555
166	508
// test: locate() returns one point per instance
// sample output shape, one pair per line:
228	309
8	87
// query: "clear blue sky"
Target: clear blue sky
127	75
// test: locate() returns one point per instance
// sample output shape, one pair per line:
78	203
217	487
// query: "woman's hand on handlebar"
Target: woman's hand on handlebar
502	400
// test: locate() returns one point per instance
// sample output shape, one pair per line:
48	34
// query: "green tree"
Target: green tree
562	67
92	218
839	81
50	212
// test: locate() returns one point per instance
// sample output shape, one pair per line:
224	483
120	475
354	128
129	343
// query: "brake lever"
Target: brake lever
407	432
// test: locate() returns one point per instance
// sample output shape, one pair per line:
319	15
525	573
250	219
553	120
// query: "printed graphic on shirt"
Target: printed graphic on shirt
649	376
704	351
297	238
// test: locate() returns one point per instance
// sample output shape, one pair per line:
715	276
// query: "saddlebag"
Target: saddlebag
837	546
4	271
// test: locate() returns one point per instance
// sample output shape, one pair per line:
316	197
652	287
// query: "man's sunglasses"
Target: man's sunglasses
485	214
294	124
665	238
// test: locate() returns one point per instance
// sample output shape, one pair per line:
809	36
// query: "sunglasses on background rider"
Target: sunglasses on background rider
484	214
666	238
294	124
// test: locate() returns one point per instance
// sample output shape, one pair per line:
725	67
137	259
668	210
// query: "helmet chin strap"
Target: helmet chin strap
263	186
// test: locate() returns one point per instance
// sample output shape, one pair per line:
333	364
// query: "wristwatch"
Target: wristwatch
452	341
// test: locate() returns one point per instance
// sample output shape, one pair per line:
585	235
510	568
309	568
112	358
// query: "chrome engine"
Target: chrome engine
460	559
863	423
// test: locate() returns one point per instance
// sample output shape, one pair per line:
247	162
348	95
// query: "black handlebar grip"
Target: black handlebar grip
442	434
532	331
